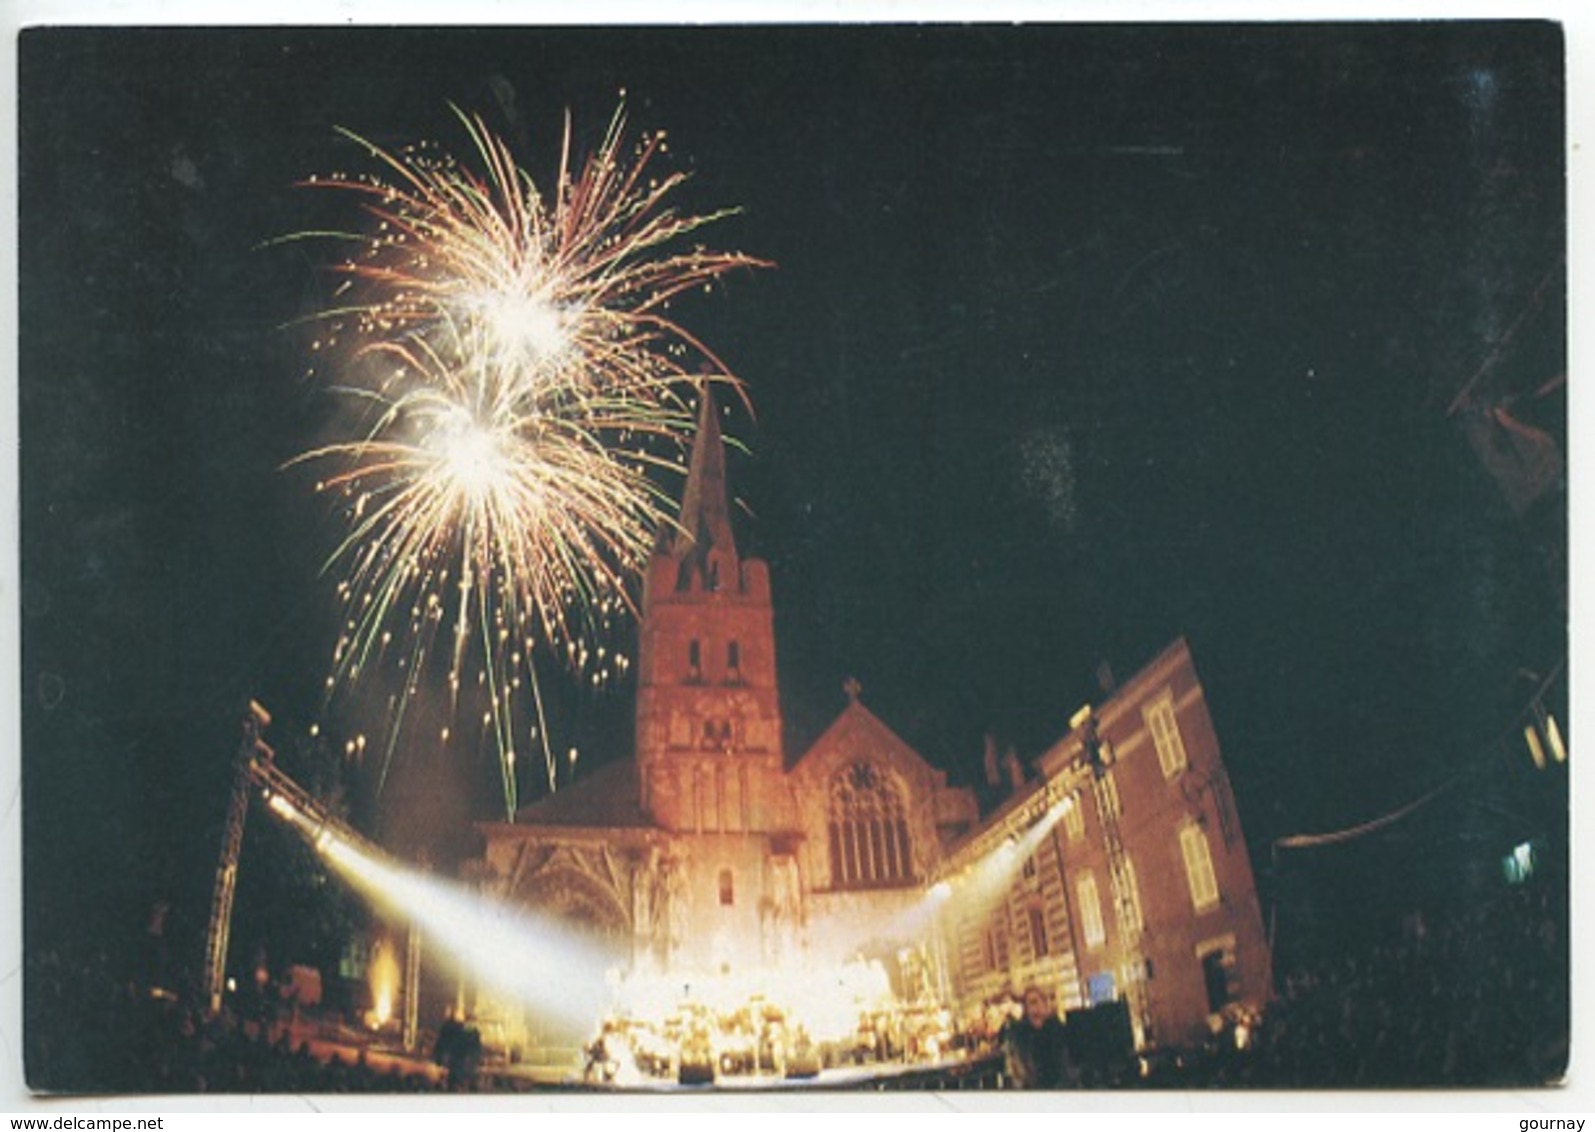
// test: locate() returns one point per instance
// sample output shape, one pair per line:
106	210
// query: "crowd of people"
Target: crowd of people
1477	999
88	1028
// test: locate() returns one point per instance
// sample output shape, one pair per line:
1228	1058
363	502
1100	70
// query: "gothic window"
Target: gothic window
869	840
694	661
726	891
733	663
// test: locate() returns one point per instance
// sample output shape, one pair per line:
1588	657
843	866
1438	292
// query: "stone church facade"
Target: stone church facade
712	853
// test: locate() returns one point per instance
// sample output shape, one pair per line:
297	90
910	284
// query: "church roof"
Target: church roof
857	721
607	798
705	501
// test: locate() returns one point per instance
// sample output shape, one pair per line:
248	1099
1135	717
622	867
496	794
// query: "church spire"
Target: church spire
703	538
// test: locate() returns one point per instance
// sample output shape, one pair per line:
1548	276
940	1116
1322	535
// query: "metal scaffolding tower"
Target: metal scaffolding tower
255	769
256	719
1121	883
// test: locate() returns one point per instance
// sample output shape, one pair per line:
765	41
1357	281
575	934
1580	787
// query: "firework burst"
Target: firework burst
521	382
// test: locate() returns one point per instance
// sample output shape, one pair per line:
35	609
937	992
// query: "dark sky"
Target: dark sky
1080	339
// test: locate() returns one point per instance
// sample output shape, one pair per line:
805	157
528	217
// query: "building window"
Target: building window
1101	988
996	943
1132	896
1090	911
727	893
694	661
1198	867
733	663
1218	972
868	830
1159	716
716	736
1038	932
1074	819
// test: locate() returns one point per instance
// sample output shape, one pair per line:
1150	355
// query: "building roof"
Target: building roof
857	729
705	503
607	798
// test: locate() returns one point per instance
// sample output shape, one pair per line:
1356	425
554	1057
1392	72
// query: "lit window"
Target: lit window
1101	988
1090	911
1073	819
1519	864
868	830
726	891
1132	896
1198	867
1159	716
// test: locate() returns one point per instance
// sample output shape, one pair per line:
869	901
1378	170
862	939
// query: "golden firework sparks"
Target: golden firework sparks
522	380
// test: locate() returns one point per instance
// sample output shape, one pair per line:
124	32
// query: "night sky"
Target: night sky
1079	339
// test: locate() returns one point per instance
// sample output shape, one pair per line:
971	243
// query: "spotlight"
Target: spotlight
283	807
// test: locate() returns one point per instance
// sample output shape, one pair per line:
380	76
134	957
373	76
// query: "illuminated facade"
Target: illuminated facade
709	859
709	856
1141	889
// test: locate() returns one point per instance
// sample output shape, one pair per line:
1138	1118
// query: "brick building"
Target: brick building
1135	884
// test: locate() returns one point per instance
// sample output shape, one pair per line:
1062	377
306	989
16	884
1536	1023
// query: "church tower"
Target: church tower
708	712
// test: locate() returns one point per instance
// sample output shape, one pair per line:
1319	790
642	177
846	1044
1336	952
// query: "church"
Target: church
839	878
